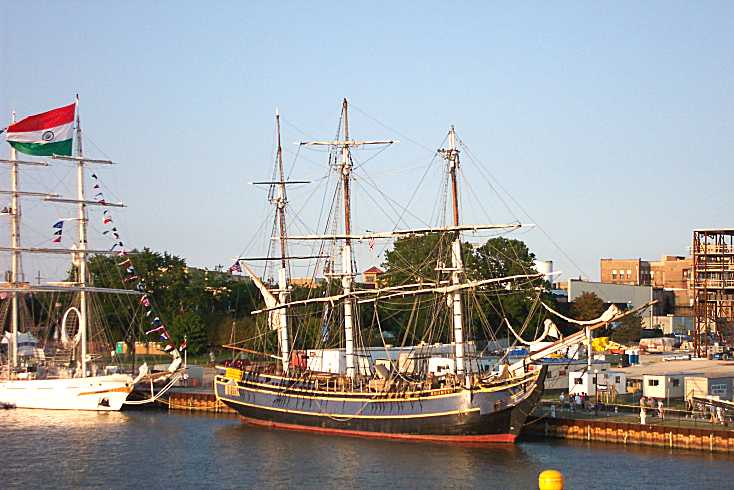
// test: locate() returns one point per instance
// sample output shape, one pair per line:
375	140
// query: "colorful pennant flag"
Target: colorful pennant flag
155	330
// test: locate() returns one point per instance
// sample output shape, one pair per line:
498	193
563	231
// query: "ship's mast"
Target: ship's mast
345	168
457	267
82	256
280	202
15	249
15	255
346	171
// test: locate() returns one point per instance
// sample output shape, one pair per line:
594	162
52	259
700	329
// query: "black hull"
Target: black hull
461	417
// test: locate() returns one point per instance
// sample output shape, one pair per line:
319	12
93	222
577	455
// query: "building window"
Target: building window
718	389
578	381
674	382
617	380
629	273
653	382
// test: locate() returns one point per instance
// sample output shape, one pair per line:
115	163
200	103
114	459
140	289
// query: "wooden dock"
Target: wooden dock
710	439
197	402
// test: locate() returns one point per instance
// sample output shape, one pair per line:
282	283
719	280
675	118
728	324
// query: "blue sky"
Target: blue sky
610	123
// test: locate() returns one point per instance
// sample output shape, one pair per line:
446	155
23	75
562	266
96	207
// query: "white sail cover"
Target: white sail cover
270	300
608	315
549	330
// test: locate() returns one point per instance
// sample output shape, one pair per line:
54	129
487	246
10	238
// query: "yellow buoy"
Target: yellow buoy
550	480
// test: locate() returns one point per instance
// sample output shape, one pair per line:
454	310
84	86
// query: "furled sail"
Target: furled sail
549	330
608	315
270	300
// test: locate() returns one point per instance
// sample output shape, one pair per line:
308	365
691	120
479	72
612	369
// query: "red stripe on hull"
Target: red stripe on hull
504	438
49	119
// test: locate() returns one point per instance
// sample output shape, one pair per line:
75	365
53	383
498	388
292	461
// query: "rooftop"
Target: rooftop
714	230
655	366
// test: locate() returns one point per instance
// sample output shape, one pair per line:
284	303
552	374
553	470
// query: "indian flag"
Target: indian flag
45	134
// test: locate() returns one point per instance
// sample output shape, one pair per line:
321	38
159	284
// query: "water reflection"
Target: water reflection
164	450
314	460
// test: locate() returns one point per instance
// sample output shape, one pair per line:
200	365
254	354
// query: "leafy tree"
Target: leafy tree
628	331
193	300
503	257
191	326
588	306
414	259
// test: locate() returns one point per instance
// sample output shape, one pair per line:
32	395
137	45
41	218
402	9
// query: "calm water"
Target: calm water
161	450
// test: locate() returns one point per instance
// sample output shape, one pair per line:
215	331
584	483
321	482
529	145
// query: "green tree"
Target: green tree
628	331
189	325
176	292
415	259
503	257
588	306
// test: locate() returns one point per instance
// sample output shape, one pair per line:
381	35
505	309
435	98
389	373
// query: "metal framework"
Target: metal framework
713	285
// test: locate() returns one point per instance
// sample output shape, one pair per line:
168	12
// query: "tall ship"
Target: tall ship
325	361
56	349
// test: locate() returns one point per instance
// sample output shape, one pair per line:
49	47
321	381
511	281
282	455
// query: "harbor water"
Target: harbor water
176	450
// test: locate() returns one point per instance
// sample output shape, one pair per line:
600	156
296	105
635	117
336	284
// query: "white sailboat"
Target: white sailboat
74	385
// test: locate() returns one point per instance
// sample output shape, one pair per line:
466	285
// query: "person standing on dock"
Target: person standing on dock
661	410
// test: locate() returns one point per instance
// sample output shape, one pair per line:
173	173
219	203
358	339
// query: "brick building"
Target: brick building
671	273
633	272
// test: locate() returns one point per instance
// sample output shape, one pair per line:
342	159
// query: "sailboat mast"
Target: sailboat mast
452	157
82	256
282	274
15	255
346	170
345	167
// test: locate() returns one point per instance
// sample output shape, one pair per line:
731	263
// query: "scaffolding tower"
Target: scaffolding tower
713	286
